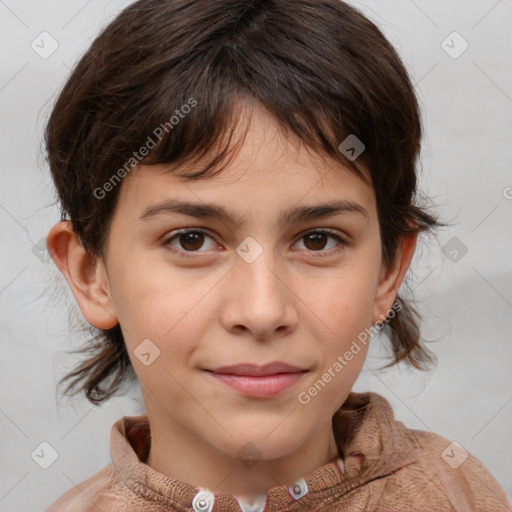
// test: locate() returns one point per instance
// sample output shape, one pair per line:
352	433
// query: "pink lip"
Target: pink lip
259	381
260	387
252	370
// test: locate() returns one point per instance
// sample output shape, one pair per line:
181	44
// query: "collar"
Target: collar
366	433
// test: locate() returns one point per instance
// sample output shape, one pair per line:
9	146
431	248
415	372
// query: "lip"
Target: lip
252	370
260	387
265	381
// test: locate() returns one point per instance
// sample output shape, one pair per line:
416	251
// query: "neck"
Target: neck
181	455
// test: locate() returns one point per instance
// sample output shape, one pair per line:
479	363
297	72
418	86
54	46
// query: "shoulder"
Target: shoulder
391	467
443	475
96	493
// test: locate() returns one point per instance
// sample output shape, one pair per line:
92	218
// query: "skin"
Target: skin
301	302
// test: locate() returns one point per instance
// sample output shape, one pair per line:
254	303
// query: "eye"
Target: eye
316	240
190	240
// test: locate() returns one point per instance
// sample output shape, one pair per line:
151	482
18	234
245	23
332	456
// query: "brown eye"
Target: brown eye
188	241
316	241
191	241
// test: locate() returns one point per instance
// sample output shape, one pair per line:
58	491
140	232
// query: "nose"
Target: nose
259	300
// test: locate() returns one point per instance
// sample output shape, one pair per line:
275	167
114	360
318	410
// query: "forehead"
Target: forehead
268	169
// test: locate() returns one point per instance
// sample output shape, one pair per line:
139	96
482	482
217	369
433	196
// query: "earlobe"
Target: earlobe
85	275
392	279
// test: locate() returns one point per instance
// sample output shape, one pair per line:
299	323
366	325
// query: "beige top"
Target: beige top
383	466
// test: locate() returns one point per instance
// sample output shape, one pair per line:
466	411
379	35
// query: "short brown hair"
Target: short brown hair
320	67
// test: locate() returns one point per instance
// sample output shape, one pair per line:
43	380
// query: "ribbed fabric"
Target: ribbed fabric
384	467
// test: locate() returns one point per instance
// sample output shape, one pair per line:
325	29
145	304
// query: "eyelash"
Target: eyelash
191	254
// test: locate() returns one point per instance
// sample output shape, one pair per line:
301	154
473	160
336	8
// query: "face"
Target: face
262	287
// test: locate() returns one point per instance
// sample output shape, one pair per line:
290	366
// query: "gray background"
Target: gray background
465	297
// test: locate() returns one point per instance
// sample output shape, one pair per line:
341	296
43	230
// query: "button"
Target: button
203	501
299	489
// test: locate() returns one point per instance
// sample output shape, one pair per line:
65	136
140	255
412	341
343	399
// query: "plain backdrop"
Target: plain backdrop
459	55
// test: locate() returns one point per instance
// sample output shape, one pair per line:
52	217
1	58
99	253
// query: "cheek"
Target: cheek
148	296
344	302
344	308
167	310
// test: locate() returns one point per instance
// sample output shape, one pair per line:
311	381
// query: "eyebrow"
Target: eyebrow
295	215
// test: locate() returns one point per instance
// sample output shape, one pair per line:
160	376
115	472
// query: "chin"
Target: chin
249	443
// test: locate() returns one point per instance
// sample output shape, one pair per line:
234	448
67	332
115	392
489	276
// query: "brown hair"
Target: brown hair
320	67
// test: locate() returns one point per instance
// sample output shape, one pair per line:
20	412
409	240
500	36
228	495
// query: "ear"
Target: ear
87	277
391	279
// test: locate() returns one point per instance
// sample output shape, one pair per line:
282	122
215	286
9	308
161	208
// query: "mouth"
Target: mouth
265	381
252	370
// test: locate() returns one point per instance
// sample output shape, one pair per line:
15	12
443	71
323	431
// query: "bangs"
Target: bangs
256	56
209	130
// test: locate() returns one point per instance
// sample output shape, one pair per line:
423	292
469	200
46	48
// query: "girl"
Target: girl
237	181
